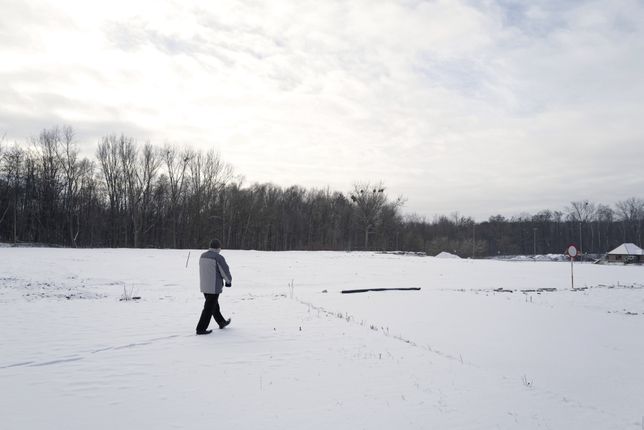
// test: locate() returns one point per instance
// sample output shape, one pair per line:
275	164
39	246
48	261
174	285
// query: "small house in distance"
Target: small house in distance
626	253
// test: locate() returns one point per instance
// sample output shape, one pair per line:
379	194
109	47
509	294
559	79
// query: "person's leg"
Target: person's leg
204	320
216	312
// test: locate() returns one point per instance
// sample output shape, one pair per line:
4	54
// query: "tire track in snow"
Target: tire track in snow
77	357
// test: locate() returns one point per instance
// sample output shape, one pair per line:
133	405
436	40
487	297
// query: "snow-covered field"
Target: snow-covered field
455	355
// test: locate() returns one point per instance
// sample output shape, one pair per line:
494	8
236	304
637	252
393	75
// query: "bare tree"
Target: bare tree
68	160
88	200
150	162
208	175
582	212
13	169
631	213
604	217
128	157
109	161
176	165
370	200
48	146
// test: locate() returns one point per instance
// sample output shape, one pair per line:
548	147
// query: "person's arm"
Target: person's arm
224	270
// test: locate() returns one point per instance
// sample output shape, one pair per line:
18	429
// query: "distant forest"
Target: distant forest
142	195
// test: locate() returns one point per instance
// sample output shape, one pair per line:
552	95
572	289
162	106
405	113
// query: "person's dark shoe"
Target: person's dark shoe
224	324
204	331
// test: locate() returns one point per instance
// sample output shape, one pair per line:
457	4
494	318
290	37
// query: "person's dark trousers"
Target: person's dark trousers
210	308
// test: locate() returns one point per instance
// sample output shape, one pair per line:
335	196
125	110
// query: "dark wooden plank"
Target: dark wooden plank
379	289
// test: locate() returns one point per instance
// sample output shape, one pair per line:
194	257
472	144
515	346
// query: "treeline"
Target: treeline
141	195
594	228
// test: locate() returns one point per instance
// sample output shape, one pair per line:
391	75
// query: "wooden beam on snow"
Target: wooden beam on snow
379	289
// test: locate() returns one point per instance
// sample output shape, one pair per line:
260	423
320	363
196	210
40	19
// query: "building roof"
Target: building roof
627	249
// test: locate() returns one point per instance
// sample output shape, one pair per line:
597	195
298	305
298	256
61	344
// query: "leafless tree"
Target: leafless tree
109	159
208	176
370	200
13	163
631	213
47	149
176	164
582	212
150	163
70	165
604	217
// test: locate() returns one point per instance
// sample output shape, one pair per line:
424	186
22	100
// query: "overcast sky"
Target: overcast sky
480	107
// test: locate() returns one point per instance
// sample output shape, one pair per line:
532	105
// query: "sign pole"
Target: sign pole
571	252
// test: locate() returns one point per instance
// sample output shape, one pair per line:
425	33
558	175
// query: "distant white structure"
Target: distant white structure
626	253
446	255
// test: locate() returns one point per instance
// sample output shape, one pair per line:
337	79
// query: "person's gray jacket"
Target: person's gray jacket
213	272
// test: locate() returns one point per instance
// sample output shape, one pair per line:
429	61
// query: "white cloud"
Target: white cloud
480	107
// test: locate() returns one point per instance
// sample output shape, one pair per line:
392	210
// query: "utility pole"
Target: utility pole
473	239
534	242
581	237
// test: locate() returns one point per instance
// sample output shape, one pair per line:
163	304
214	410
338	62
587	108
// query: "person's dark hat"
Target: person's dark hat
215	244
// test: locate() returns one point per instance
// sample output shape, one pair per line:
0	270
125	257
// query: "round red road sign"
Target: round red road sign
571	250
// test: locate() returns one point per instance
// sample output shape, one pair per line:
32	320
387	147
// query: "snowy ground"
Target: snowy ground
455	355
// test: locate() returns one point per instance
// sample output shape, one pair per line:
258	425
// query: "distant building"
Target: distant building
626	253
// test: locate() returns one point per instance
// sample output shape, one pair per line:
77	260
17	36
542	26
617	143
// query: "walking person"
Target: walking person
213	275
